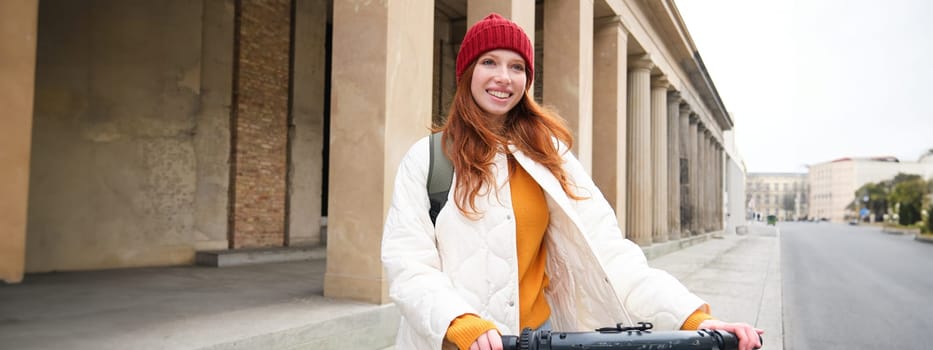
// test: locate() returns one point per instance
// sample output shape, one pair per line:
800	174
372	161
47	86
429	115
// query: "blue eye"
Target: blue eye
518	67
487	62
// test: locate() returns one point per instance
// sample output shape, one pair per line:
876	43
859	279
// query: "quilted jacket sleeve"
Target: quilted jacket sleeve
424	294
646	293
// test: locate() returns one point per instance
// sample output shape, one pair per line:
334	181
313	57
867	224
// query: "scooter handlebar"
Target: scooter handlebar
623	339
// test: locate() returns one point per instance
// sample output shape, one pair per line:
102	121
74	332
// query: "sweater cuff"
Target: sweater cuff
693	321
464	330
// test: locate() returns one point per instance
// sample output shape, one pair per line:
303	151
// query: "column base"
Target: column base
370	290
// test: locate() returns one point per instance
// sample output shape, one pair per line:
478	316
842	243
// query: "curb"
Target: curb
900	231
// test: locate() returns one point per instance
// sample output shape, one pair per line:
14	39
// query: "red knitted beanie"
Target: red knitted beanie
491	33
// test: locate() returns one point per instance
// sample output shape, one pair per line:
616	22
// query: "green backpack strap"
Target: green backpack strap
440	175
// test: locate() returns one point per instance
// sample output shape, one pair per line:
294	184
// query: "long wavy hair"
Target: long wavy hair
470	142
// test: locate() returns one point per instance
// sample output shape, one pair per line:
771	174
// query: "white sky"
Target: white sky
809	81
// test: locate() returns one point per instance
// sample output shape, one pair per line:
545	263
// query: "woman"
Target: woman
529	240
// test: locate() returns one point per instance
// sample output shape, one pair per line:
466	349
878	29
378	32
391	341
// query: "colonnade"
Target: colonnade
641	110
666	202
647	137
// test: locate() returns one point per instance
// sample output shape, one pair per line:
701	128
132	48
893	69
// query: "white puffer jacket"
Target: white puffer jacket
461	266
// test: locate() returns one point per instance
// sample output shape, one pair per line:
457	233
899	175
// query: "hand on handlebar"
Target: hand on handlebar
491	340
749	337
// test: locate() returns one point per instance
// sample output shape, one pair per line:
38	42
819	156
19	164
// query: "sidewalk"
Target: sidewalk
281	306
739	276
268	306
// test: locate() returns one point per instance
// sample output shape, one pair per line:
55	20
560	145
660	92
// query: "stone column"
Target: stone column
703	184
701	178
659	86
721	182
707	180
17	86
307	127
609	109
684	174
710	182
717	187
693	172
717	210
716	199
519	11
568	40
381	104
639	202
673	164
710	179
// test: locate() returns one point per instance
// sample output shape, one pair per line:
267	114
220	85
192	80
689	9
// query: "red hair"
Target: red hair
470	143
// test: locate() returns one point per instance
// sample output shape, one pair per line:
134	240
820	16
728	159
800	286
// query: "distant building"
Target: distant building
785	195
833	183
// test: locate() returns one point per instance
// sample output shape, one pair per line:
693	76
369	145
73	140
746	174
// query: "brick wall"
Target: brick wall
260	130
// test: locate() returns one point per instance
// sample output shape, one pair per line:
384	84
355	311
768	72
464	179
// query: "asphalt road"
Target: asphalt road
854	287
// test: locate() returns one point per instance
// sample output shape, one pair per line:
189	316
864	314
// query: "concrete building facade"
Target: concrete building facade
833	184
734	201
784	195
163	129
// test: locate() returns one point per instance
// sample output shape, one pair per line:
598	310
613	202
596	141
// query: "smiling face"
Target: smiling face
498	82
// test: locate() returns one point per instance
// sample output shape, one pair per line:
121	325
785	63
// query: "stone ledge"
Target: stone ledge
660	249
900	231
237	257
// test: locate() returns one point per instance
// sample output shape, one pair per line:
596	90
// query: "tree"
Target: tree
902	177
908	191
928	202
930	219
930	191
877	199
